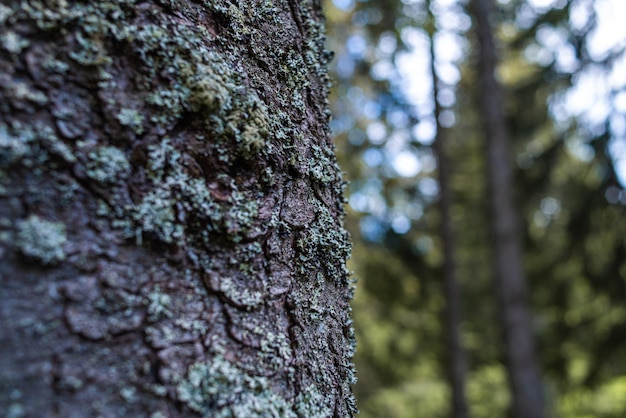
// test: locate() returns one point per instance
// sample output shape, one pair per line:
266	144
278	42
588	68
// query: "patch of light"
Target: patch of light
620	169
429	164
610	30
397	141
371	228
414	210
424	244
344	5
367	201
444	3
356	137
383	70
356	45
537	53
448	73
579	14
425	131
387	43
612	194
451	21
406	164
413	68
345	66
370	109
590	89
447	118
376	133
358	201
448	46
550	207
618	125
414	38
542	4
373	157
618	148
428	187
617	78
555	42
398	118
446	97
401	224
580	150
540	219
619	101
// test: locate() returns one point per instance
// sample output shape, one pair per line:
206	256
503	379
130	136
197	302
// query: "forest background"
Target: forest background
562	73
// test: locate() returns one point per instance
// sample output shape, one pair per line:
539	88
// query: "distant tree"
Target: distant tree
456	360
171	237
519	346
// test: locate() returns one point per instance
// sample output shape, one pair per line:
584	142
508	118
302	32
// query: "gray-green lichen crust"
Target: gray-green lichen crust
42	240
197	131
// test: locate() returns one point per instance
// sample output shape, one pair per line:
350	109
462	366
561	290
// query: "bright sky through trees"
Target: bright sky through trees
594	101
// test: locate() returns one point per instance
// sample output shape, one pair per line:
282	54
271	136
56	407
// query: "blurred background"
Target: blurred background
417	136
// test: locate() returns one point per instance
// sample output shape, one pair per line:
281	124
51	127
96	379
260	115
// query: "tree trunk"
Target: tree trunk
522	366
456	361
171	236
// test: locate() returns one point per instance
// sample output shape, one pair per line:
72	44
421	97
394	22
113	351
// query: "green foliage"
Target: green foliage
568	193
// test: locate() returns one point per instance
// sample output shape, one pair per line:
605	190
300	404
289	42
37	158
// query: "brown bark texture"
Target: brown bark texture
522	365
171	234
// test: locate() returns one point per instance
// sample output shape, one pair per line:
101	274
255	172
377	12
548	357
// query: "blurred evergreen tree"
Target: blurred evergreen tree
571	200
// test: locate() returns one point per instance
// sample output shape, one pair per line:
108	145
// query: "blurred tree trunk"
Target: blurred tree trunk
522	366
456	361
171	237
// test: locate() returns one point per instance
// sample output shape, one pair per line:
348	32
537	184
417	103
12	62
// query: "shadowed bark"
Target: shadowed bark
171	237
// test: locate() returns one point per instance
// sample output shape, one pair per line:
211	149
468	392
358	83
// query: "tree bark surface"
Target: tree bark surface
522	365
171	237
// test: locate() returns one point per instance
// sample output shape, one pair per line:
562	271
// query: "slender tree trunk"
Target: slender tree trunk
456	359
171	238
522	366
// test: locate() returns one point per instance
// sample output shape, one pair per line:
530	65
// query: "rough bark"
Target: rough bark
171	238
456	361
522	365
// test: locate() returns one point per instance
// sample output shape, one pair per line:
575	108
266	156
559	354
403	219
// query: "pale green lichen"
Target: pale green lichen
22	91
41	240
5	13
220	389
108	165
15	410
159	305
129	394
156	214
240	296
32	146
13	43
14	147
276	350
310	403
210	90
131	118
